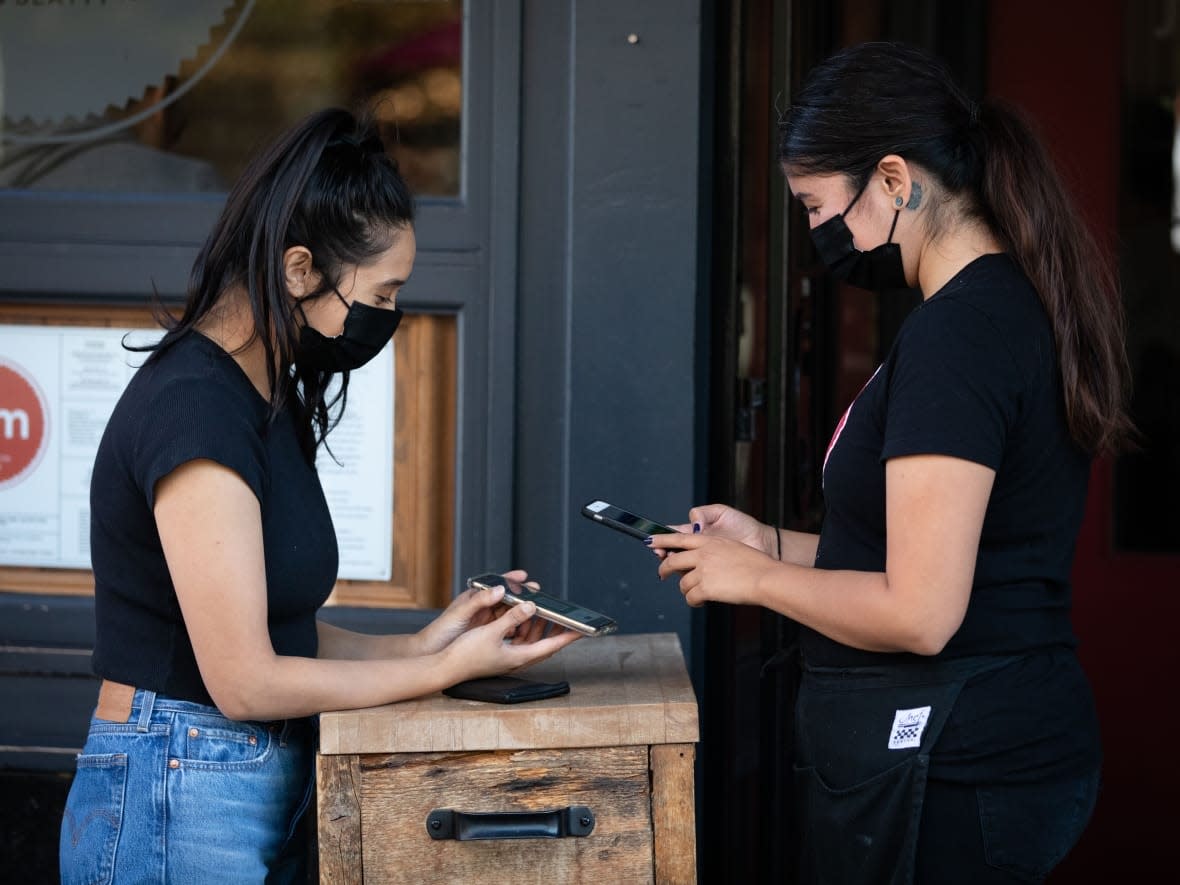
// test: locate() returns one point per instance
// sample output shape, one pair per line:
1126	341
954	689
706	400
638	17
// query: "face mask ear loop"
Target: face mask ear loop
335	291
892	227
848	208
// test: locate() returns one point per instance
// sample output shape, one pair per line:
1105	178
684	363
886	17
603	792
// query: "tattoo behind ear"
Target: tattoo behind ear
915	197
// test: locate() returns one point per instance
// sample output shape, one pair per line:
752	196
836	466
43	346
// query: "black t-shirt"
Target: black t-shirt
973	374
190	402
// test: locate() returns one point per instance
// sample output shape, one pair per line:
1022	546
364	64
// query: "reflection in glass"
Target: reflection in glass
151	96
1147	481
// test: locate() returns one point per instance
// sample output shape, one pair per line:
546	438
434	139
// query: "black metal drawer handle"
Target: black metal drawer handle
573	820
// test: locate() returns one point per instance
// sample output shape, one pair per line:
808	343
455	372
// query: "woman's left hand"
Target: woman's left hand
713	569
470	609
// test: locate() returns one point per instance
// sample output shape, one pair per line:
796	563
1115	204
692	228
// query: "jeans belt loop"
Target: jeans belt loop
147	703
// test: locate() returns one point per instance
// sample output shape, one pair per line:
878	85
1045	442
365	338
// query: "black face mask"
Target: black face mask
877	269
366	331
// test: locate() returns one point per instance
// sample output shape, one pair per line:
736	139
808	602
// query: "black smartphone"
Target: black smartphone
559	611
506	690
624	520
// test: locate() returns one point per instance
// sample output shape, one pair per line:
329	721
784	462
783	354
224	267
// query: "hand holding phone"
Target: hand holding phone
551	608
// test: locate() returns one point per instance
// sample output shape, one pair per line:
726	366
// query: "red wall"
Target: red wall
1061	61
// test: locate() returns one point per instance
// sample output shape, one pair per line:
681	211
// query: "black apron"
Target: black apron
862	752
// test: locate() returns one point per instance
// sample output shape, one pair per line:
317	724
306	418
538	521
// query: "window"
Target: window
136	96
443	79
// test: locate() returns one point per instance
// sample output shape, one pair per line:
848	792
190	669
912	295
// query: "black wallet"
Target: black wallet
506	690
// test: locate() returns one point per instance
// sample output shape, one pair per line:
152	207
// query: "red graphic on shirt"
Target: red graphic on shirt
840	427
23	424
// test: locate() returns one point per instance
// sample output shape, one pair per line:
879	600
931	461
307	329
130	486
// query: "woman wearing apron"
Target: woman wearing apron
944	729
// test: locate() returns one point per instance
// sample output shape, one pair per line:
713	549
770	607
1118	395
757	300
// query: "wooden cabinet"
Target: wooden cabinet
618	749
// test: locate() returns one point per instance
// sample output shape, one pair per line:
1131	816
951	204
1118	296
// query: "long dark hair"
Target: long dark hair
326	184
875	99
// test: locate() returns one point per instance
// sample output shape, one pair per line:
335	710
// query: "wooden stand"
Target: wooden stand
621	743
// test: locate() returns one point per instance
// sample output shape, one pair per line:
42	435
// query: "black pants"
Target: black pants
953	848
869	811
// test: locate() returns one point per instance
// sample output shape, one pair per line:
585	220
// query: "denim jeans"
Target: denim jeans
180	794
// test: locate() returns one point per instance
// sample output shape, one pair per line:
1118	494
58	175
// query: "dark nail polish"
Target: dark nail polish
647	541
696	528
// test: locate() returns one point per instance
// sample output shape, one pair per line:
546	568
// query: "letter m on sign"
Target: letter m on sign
12	420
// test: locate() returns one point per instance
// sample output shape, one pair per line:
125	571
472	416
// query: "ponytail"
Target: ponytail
1026	204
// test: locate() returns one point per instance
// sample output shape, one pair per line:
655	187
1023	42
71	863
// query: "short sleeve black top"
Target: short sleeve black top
972	374
192	401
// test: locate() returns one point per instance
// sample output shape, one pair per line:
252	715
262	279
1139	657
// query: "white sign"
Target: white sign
77	375
359	488
58	386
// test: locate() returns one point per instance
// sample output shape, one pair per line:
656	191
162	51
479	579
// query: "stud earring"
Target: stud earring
898	202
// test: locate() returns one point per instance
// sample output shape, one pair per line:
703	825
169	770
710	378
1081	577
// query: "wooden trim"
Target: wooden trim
112	317
673	814
425	418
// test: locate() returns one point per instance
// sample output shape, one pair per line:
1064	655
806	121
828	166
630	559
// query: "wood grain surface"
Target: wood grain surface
624	691
673	813
338	810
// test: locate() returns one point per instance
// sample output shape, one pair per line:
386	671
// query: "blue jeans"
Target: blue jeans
180	794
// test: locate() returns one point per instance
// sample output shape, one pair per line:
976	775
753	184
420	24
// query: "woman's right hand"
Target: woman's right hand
507	643
723	521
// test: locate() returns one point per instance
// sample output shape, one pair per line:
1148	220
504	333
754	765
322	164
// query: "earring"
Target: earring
898	202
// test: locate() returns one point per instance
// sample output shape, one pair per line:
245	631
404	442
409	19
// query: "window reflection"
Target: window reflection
1147	482
149	96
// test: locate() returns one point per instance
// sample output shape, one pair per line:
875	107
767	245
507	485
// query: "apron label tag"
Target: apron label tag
908	726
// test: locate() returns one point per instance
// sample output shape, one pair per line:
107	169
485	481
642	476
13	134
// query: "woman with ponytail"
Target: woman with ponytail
213	548
945	731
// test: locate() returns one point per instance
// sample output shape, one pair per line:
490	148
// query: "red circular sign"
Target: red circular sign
23	424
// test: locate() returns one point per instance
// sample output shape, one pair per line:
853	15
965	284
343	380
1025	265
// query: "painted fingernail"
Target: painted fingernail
647	541
696	528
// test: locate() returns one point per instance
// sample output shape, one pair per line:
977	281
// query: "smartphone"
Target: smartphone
559	611
506	690
624	520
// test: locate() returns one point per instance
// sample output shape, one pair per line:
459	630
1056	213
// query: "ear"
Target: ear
896	179
299	273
